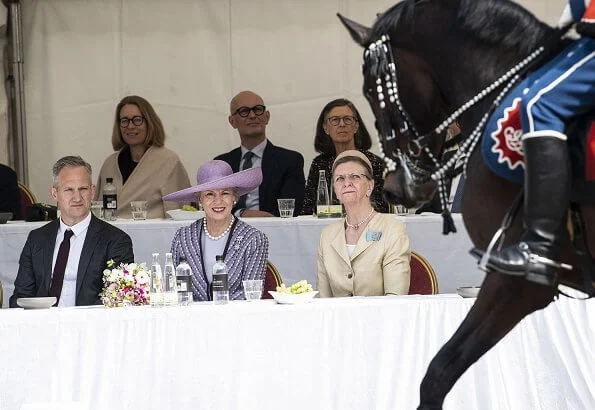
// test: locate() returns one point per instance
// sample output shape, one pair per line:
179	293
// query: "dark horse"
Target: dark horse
445	52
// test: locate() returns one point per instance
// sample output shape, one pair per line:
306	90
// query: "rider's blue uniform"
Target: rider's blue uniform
565	91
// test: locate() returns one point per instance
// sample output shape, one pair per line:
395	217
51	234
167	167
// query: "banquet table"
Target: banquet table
344	353
292	246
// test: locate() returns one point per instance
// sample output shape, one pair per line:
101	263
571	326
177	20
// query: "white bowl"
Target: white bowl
181	215
468	291
36	303
292	299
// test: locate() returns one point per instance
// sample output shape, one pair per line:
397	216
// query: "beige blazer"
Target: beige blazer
376	267
159	172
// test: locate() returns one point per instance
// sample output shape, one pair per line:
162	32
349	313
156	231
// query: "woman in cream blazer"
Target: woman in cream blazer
141	167
367	253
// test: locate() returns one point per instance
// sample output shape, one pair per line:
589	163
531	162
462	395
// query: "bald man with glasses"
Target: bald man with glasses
282	169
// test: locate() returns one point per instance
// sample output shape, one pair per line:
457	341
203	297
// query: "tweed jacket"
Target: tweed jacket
378	266
159	172
102	243
246	257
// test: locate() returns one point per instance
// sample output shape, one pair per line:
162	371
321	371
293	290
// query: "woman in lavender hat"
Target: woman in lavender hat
244	248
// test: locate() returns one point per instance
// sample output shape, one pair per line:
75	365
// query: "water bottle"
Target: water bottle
220	285
322	198
183	278
170	283
156	282
110	200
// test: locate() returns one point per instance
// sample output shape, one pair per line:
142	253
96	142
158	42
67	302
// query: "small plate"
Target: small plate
468	291
181	215
292	299
36	303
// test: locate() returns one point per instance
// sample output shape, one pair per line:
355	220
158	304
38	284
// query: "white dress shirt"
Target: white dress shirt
68	295
258	151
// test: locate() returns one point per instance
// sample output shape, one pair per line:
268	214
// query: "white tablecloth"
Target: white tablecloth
352	353
293	245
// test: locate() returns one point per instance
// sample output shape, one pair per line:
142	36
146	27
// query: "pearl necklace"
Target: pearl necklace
216	238
357	225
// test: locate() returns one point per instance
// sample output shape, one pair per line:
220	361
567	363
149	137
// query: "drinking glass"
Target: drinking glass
286	207
97	208
139	210
252	289
401	210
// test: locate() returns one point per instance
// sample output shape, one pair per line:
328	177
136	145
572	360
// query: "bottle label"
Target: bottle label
110	201
322	211
220	283
183	284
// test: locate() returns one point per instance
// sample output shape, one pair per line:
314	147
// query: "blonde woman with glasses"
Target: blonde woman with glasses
340	128
141	167
367	253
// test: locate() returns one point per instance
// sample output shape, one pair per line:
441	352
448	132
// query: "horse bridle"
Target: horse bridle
380	55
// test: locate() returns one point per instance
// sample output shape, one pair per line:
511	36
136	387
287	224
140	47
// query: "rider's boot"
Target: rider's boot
546	203
586	26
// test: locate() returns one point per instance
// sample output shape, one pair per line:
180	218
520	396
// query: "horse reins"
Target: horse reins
382	55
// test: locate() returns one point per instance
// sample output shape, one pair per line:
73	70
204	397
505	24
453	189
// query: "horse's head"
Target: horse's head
391	76
422	62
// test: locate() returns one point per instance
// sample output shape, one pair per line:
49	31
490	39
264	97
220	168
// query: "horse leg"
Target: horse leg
502	302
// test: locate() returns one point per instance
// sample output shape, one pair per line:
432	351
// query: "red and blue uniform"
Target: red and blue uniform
565	91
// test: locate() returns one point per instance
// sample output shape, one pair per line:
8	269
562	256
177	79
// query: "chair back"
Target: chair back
272	279
423	278
26	198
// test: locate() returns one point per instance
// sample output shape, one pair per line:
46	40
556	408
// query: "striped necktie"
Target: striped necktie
246	165
60	267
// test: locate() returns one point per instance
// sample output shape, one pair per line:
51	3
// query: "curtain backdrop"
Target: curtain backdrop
188	58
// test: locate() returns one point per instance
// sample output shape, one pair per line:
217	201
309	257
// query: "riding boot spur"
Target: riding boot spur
547	188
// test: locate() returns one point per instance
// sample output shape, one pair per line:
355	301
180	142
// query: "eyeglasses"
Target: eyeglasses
136	120
347	120
353	178
245	111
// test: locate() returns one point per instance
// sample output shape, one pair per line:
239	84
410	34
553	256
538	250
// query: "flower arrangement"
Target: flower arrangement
126	285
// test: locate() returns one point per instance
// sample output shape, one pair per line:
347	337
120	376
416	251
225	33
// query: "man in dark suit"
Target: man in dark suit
282	169
66	257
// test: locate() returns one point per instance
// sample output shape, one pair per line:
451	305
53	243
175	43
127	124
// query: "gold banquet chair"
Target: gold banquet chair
26	199
423	278
272	279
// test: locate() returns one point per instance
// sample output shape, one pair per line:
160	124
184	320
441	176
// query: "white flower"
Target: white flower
131	267
114	275
142	277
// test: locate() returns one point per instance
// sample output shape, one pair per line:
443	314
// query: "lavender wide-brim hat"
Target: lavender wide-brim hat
217	174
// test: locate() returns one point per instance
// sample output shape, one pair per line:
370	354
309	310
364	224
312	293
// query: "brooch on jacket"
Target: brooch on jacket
373	236
238	242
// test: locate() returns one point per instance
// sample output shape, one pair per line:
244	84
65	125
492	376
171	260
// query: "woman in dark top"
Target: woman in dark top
340	128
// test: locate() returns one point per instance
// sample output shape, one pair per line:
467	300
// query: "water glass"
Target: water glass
286	207
139	210
252	289
401	210
97	208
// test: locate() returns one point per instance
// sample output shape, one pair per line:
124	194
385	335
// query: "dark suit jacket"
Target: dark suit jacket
282	176
102	243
